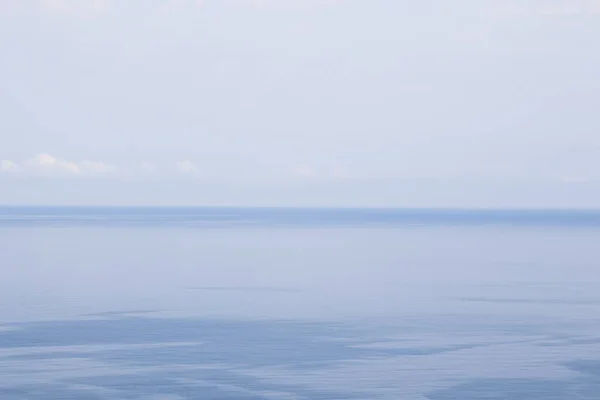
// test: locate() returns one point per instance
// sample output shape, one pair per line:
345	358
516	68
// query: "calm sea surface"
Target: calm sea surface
241	304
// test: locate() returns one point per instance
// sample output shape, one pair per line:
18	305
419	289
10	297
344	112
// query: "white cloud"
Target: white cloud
47	165
50	166
186	167
96	168
9	166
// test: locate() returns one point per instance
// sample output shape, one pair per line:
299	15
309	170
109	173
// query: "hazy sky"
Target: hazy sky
487	103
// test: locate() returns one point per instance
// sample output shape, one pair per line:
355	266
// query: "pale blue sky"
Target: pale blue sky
300	102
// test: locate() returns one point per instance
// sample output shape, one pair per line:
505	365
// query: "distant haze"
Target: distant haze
469	103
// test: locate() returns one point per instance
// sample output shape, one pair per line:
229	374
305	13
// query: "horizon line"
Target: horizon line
288	207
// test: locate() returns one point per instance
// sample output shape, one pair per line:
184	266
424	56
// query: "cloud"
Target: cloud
47	165
8	166
186	167
98	168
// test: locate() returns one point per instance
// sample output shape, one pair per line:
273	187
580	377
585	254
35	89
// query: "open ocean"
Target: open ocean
298	304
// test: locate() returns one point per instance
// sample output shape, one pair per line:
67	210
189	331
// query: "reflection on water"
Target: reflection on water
436	311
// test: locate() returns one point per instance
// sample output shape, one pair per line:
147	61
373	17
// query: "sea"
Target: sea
107	303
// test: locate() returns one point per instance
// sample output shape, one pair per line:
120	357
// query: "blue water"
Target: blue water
228	303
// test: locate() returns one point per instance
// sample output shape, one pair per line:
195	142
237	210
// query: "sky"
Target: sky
349	103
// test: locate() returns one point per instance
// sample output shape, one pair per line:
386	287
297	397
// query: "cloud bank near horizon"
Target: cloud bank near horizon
46	165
